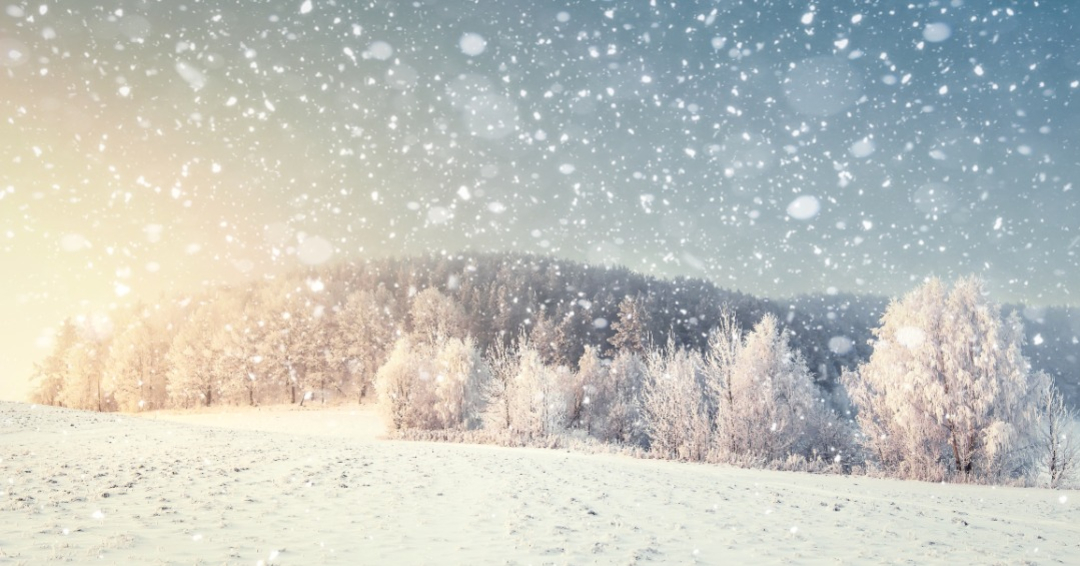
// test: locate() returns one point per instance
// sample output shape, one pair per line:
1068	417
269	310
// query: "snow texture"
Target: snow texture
288	486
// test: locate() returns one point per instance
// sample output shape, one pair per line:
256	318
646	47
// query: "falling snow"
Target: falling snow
777	149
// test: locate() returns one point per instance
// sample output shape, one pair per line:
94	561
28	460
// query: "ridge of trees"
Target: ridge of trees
537	347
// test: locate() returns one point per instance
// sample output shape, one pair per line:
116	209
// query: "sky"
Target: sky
774	147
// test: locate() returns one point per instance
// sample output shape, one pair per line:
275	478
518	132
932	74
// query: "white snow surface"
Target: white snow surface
288	485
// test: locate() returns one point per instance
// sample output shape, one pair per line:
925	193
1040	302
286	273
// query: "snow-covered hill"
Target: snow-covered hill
288	486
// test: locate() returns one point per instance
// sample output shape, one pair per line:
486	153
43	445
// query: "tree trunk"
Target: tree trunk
960	467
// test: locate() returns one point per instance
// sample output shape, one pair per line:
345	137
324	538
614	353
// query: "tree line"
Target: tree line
938	387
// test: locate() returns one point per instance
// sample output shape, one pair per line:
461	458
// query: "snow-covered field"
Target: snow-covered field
317	486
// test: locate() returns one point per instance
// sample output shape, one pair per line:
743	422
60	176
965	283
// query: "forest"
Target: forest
496	346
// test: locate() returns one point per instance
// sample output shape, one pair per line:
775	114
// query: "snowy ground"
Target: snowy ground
288	486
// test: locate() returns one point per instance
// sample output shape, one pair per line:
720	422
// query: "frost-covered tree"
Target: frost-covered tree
137	362
572	393
544	338
366	334
772	395
594	401
239	343
406	397
462	376
193	377
632	326
946	391
51	374
1054	443
674	407
320	362
499	395
285	351
436	317
721	356
536	406
610	408
620	392
86	385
